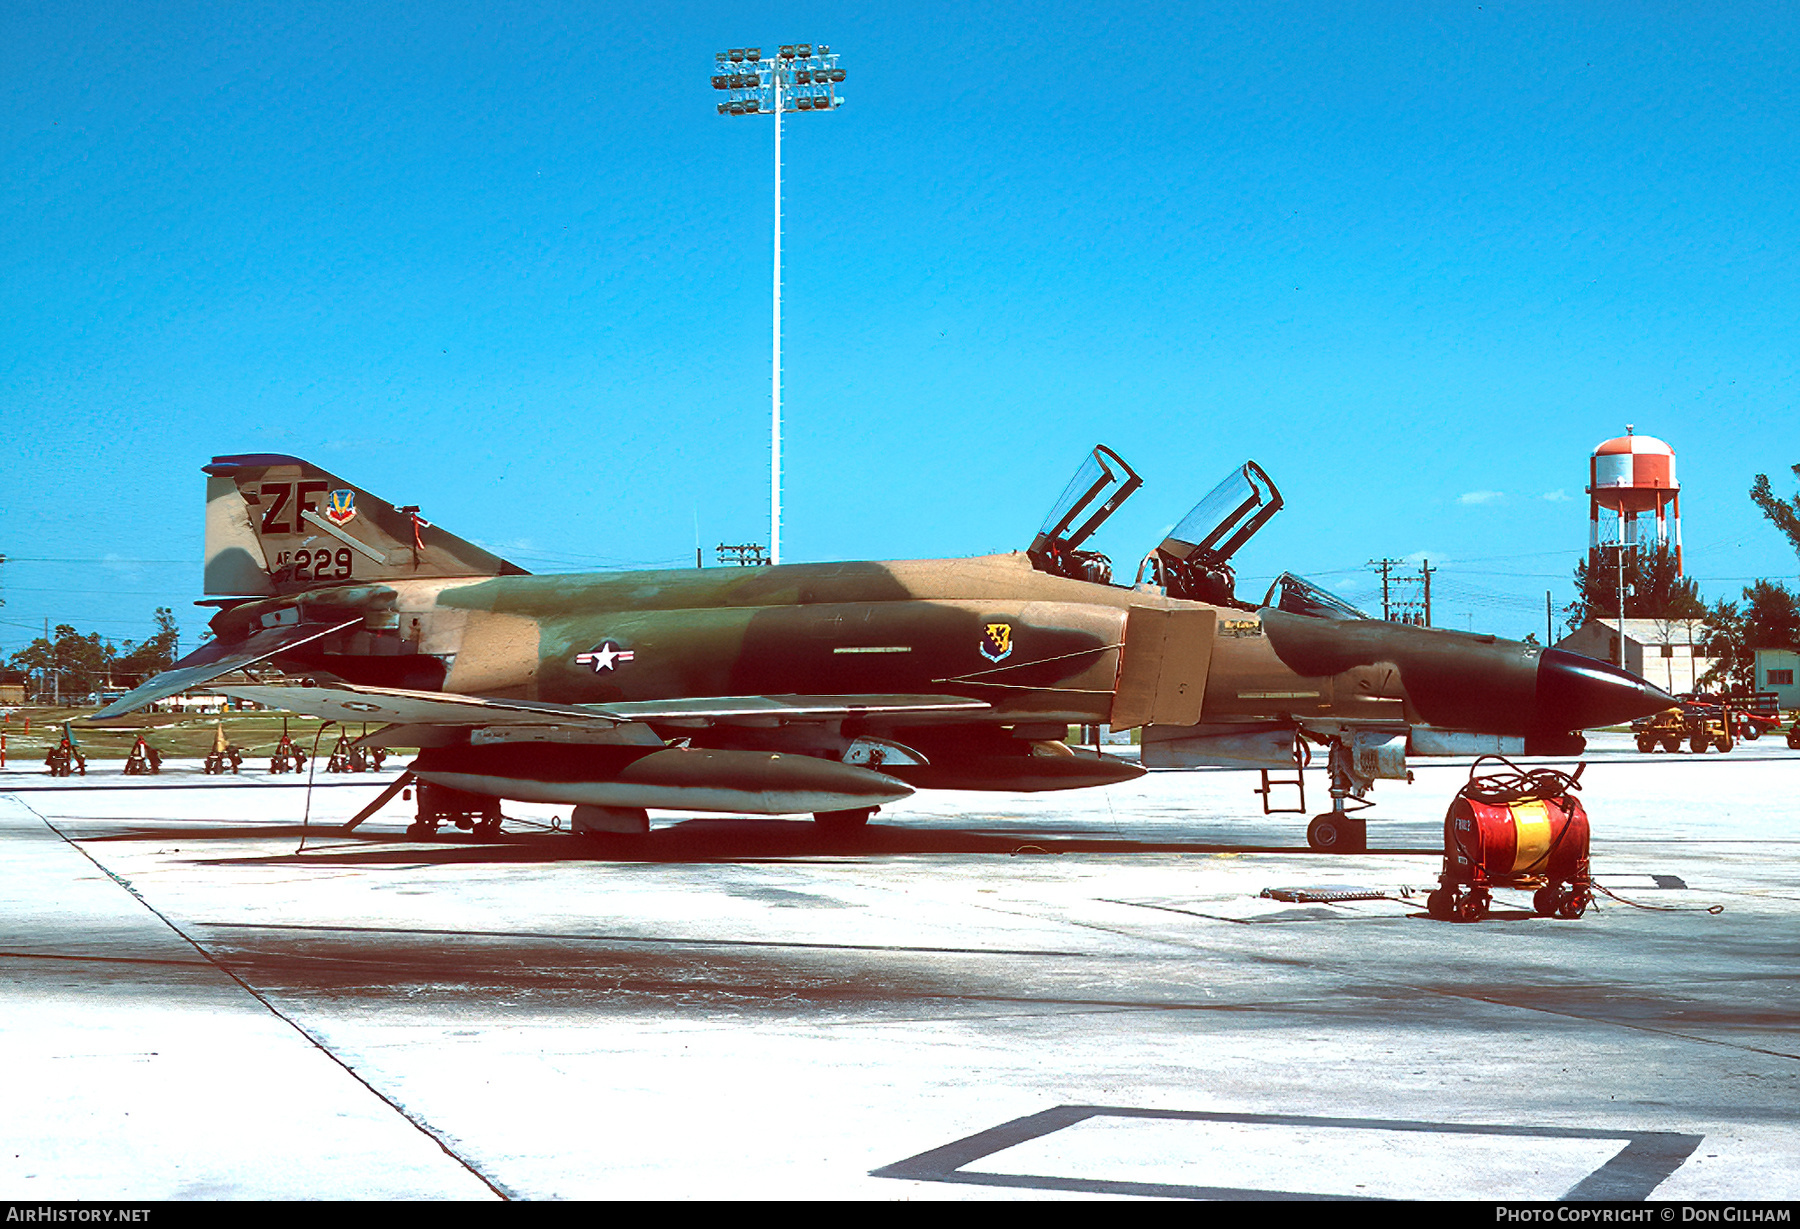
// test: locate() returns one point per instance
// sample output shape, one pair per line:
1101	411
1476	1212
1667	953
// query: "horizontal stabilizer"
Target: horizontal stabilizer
211	660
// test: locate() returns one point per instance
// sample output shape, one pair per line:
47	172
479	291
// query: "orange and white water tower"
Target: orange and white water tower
1630	476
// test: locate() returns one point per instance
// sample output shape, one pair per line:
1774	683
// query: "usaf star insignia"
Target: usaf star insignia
604	656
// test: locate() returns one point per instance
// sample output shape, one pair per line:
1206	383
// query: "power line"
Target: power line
114	561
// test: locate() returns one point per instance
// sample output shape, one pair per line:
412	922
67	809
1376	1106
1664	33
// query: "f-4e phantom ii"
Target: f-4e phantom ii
834	688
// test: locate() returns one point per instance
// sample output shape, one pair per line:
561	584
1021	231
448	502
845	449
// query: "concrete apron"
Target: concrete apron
138	1069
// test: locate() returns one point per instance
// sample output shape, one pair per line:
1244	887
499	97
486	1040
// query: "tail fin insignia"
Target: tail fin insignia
278	524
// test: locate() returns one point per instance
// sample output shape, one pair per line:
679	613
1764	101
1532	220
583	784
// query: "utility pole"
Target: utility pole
1398	608
748	555
1386	566
1621	590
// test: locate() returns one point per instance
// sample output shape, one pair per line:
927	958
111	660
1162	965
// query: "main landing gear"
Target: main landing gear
843	823
439	804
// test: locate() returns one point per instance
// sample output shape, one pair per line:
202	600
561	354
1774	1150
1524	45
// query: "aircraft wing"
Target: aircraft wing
353	702
211	660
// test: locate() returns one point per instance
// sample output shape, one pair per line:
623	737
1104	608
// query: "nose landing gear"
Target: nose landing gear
1356	759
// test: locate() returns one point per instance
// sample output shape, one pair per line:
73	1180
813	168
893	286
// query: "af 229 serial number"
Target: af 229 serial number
314	564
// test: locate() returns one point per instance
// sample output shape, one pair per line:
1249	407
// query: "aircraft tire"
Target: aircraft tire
841	823
1334	833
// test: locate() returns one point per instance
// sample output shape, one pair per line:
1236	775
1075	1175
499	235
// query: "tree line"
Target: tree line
68	663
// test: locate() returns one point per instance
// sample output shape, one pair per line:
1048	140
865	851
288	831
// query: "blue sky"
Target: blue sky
506	263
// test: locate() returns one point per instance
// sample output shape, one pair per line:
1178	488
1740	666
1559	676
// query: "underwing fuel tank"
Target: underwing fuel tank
672	778
1050	766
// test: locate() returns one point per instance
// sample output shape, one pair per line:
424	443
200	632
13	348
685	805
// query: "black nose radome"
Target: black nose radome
1580	693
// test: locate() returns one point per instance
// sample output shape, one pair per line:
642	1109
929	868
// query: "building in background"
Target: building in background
1659	651
1776	670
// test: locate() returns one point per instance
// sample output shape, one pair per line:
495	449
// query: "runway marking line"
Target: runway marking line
1646	1161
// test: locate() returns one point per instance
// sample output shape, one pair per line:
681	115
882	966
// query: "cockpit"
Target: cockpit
1296	595
1099	486
1194	560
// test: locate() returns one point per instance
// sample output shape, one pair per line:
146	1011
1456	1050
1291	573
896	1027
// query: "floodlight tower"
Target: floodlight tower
800	77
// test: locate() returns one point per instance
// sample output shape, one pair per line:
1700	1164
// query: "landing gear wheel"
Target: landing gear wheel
842	823
420	829
1574	903
487	829
1336	833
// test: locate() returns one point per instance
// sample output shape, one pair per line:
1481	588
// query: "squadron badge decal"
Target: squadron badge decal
997	644
604	656
340	507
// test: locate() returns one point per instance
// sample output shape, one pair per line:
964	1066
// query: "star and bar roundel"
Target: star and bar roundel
604	656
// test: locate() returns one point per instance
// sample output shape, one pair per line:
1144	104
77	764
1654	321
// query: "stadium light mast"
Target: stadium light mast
800	77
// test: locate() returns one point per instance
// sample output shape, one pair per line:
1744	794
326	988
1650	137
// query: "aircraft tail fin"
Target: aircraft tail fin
277	524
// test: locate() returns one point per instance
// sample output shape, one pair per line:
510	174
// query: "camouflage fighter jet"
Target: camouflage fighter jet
833	688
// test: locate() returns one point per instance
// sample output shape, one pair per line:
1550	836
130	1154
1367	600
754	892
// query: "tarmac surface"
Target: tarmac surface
208	991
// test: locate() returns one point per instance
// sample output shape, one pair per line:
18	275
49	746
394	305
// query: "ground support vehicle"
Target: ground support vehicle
1700	725
1667	729
1508	828
1707	727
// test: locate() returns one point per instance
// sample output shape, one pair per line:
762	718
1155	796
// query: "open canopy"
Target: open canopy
1226	519
1102	483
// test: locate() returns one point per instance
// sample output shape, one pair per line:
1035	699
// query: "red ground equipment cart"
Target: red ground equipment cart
1508	828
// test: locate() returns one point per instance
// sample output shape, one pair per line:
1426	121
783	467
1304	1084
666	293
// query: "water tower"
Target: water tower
1630	476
